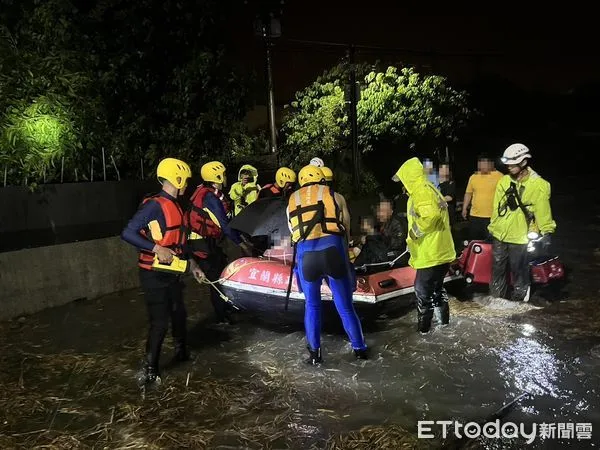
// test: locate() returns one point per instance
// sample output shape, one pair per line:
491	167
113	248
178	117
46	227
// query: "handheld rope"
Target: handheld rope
214	286
386	263
223	279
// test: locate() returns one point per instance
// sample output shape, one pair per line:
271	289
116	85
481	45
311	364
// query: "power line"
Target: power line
378	48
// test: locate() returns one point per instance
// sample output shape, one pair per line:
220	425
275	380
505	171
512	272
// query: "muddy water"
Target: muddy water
67	377
485	358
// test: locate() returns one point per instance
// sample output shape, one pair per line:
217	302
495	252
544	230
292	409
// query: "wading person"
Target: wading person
317	162
320	223
208	224
480	192
285	179
429	243
521	204
328	174
158	230
245	191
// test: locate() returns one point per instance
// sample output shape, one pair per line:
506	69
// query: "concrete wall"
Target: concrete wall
70	212
35	279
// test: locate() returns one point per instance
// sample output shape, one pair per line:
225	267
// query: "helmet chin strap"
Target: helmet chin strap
522	167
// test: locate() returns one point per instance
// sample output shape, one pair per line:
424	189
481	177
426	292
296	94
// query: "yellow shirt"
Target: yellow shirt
483	188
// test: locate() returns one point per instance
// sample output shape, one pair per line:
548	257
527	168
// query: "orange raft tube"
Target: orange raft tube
259	285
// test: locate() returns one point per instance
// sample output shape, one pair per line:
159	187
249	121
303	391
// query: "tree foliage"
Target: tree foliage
398	110
142	79
48	96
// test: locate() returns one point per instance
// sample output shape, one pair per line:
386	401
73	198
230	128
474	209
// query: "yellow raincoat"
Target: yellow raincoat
429	239
511	226
243	195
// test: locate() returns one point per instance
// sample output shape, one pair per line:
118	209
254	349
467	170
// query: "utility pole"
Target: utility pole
267	26
353	118
272	126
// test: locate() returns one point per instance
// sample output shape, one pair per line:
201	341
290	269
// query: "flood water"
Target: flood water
67	377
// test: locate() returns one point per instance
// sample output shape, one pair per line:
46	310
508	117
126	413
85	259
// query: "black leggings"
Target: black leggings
213	266
164	302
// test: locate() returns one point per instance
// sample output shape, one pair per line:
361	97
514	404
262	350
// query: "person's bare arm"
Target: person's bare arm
467	198
466	203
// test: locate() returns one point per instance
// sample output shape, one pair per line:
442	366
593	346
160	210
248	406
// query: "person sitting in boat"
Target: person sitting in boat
285	179
245	191
384	238
319	220
371	249
389	226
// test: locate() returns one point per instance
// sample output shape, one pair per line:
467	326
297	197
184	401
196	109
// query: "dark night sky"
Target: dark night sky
552	52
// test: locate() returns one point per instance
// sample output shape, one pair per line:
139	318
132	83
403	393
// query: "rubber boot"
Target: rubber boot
149	375
424	321
442	314
362	353
315	357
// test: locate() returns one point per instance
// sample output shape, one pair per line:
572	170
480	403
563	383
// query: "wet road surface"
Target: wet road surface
67	378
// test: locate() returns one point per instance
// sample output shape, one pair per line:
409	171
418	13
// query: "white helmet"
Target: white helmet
515	154
318	162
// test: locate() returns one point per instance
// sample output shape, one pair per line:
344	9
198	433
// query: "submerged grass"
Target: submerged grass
377	437
69	400
57	399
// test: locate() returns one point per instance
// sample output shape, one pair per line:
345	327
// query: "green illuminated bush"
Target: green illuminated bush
35	137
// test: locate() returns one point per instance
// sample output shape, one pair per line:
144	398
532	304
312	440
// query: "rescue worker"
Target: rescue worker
521	204
317	162
481	189
319	220
285	179
209	224
158	229
328	173
429	242
245	191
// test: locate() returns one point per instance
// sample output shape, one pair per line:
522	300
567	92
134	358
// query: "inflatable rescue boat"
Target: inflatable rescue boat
259	285
476	261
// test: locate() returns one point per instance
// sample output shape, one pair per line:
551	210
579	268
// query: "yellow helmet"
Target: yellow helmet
285	175
174	171
213	172
328	173
310	174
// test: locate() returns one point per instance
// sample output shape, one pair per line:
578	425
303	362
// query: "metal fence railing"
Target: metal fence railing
104	166
101	167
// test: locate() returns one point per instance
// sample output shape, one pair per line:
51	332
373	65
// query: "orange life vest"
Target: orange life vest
270	190
173	236
200	220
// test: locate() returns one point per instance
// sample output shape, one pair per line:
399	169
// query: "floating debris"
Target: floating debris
377	437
